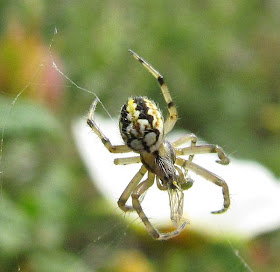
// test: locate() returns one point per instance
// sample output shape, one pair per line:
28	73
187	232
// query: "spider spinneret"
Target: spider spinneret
143	130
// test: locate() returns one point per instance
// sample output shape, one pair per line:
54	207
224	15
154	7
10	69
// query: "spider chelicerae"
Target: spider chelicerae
143	130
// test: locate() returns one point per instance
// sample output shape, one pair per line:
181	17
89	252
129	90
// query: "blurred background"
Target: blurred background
221	60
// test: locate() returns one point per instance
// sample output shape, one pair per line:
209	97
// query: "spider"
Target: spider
144	130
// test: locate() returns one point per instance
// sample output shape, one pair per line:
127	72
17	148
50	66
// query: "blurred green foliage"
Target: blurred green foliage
221	62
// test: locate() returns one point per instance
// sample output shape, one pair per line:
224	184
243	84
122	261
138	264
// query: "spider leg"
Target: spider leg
209	176
128	160
203	149
129	189
140	190
173	114
185	139
103	138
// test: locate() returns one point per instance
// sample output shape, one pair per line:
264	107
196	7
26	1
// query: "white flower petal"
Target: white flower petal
255	192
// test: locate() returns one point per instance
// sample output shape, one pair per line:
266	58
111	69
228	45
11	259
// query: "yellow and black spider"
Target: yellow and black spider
143	130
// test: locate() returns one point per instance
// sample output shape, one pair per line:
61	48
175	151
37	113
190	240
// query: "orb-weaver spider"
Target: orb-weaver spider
143	130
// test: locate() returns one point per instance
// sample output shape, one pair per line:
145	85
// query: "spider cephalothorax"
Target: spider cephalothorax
143	130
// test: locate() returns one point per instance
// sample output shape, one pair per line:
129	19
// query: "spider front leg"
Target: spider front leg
129	189
102	137
137	193
209	176
173	114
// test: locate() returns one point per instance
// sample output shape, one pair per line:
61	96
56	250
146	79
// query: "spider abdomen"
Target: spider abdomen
141	124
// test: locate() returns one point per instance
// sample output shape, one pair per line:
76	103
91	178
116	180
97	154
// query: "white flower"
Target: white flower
255	192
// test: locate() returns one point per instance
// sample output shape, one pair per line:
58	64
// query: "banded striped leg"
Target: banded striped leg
102	137
173	114
204	149
209	176
129	189
137	193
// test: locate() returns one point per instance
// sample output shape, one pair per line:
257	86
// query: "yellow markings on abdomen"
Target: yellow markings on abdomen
141	124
